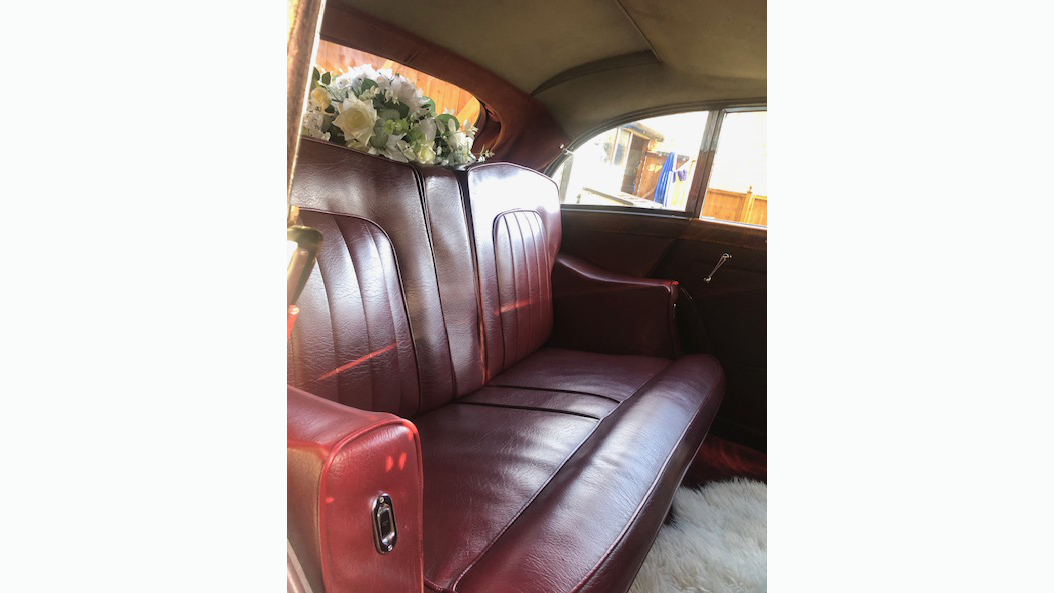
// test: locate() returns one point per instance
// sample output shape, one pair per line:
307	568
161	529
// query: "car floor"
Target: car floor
714	538
720	460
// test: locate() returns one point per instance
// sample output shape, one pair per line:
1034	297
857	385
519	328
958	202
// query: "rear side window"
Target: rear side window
710	164
449	98
648	163
737	190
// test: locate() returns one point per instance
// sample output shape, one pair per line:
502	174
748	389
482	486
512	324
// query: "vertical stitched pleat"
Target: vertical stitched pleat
521	287
525	299
538	328
407	361
384	368
354	335
523	274
357	287
509	318
545	287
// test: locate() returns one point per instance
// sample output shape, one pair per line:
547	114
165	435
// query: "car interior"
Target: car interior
501	374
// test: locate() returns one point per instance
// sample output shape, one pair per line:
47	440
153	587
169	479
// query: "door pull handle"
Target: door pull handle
720	262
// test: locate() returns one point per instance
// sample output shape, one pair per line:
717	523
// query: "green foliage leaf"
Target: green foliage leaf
403	109
387	114
379	139
430	107
400	126
314	74
326	78
442	120
366	85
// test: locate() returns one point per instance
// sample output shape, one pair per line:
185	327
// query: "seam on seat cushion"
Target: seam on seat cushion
532	408
635	390
634	518
490	544
497	536
647	496
607	397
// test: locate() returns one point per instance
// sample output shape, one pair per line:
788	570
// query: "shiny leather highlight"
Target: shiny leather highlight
593	524
432	254
539	469
352	338
339	459
484	466
515	222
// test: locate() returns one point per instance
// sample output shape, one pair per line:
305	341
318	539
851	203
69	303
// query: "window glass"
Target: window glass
332	57
645	164
737	190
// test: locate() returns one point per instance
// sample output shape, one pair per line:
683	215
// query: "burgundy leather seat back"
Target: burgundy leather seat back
389	317
515	215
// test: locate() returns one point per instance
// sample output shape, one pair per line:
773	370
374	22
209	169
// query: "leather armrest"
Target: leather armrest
597	310
340	459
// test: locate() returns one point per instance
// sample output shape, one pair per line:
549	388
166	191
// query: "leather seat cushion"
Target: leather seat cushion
559	480
604	375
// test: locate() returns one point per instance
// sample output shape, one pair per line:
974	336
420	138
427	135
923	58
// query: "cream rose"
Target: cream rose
320	98
426	155
356	120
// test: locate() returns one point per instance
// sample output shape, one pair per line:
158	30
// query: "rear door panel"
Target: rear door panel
725	317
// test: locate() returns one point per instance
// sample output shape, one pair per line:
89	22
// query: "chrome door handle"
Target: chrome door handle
720	262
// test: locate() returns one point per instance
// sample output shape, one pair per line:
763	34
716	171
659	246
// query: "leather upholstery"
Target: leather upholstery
339	460
354	287
515	215
590	311
593	524
434	268
485	465
613	377
545	469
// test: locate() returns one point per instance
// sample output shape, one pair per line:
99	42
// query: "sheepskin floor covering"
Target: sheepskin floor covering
716	542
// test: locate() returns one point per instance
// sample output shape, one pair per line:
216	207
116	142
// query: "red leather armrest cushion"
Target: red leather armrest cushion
339	460
601	311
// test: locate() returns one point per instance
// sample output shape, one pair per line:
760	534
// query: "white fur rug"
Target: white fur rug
717	542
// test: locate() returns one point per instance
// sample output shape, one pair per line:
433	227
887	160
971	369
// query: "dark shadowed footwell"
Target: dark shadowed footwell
719	460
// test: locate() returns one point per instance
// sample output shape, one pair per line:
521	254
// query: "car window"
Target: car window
449	98
655	163
737	189
648	163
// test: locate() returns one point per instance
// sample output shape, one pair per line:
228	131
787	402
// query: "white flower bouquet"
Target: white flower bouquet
385	114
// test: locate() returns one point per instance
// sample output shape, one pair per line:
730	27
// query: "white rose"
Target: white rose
401	88
353	77
426	155
458	141
356	120
429	129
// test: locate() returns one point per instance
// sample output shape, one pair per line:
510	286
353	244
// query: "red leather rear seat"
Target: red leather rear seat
545	469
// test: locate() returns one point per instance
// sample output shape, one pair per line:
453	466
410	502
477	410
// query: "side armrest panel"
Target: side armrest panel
601	311
340	459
